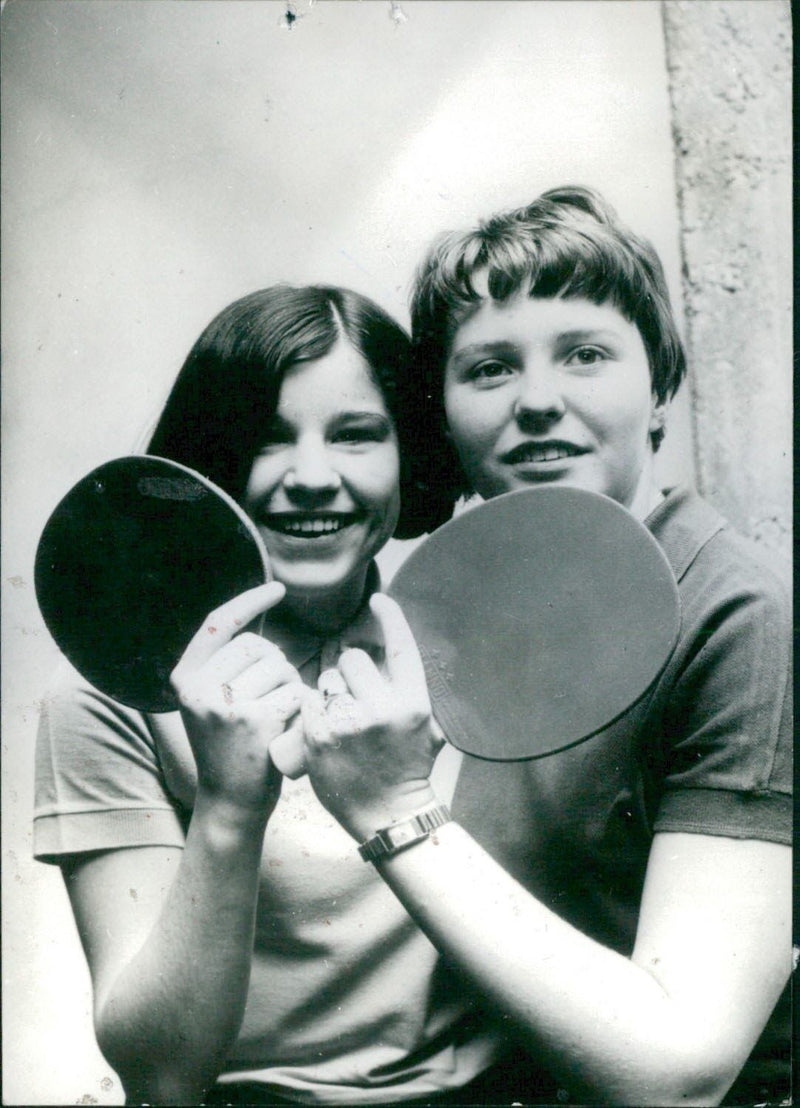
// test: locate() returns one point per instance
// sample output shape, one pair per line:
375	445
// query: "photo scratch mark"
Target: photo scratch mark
396	14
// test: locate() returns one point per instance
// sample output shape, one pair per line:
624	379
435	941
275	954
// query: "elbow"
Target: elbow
149	1073
695	1090
147	1083
667	1075
703	1063
697	1078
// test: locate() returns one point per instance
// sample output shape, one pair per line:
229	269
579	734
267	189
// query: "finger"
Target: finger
364	679
288	751
345	716
237	656
314	719
285	702
229	619
403	661
262	677
331	683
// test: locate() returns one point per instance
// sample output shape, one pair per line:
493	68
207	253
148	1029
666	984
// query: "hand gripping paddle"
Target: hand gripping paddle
541	617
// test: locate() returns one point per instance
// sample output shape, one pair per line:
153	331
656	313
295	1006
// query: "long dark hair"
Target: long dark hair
230	382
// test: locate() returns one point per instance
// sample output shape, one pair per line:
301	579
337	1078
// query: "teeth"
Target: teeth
319	526
546	453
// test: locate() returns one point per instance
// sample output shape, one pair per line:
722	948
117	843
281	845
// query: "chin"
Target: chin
314	580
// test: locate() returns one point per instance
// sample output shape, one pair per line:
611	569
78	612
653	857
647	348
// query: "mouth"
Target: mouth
539	452
304	525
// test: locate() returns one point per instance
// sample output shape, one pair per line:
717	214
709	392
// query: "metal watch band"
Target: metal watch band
391	840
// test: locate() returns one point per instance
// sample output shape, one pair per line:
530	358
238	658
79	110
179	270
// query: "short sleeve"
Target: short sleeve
728	724
99	784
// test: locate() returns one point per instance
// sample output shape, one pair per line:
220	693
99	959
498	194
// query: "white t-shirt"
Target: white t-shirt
349	1002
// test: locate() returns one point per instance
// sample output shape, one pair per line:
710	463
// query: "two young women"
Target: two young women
607	925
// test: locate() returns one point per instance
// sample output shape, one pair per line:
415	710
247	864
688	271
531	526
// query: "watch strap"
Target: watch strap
399	836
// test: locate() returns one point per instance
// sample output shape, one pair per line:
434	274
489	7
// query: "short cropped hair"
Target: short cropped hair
568	242
229	385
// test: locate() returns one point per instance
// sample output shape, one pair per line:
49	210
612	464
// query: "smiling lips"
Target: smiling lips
306	526
533	452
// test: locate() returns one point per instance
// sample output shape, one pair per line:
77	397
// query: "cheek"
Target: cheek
391	490
378	479
384	503
472	422
264	475
621	415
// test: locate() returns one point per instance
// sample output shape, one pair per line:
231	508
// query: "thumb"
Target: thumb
288	753
314	717
226	621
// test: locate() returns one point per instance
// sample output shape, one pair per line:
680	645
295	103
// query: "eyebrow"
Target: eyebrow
584	334
507	346
366	413
277	422
498	346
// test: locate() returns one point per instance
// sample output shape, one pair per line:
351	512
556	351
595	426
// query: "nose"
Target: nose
539	397
310	471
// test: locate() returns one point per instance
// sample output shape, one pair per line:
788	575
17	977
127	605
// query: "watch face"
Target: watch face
403	834
391	840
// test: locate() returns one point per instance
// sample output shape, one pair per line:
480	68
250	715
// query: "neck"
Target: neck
324	612
647	495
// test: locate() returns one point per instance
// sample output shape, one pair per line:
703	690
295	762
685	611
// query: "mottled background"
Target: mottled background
162	158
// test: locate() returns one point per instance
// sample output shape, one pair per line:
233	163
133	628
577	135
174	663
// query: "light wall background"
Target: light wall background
162	158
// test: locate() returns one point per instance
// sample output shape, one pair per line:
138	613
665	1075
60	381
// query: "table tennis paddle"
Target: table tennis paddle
131	562
541	617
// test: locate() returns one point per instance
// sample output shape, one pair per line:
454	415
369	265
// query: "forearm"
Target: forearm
168	1019
607	1028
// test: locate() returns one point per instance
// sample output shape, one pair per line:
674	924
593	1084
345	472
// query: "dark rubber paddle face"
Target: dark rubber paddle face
129	565
541	616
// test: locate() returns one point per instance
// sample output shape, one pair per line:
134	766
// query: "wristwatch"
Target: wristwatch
399	836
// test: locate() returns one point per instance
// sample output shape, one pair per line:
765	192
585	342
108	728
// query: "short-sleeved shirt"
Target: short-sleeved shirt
708	750
348	1000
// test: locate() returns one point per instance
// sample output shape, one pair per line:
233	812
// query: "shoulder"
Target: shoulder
715	566
726	691
85	736
73	706
107	776
733	659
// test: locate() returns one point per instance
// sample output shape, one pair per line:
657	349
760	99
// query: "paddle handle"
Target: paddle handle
287	754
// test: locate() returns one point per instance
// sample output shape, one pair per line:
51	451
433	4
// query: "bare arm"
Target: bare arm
672	1024
168	933
171	967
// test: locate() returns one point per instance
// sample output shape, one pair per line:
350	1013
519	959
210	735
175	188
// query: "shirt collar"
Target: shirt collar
683	523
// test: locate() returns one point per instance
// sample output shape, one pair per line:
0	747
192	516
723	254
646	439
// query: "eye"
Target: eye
361	432
489	371
353	435
586	356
